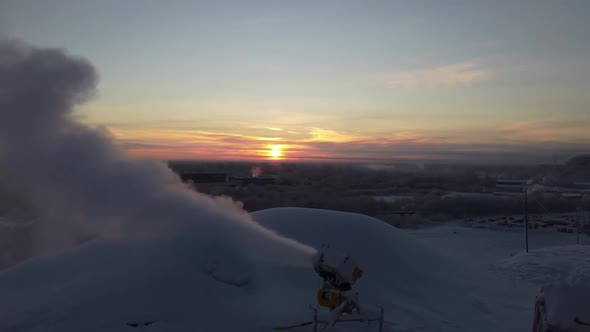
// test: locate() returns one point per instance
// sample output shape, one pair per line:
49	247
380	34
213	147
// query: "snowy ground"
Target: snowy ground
501	251
553	257
546	222
448	278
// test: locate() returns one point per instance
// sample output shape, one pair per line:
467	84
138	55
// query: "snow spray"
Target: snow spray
84	184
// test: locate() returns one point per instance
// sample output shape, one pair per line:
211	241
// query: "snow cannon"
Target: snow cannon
338	270
338	273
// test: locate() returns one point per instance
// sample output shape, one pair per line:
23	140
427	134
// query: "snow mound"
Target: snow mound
419	288
175	285
551	264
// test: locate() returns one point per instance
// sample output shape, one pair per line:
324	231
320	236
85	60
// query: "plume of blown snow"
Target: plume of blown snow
88	187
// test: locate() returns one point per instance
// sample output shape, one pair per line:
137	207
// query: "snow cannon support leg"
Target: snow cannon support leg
381	319
315	320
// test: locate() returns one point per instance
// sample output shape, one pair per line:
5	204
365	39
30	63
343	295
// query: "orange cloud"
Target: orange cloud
326	135
316	144
508	142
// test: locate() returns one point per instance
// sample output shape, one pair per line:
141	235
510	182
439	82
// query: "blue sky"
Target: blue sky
473	81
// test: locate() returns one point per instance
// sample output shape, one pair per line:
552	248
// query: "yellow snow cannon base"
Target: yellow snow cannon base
329	298
357	273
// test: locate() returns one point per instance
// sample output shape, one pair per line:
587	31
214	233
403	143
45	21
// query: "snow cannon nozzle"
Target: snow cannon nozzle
337	269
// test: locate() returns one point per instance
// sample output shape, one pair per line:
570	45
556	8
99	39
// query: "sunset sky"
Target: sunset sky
378	81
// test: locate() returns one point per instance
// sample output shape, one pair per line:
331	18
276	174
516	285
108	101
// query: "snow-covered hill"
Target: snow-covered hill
105	284
174	283
419	288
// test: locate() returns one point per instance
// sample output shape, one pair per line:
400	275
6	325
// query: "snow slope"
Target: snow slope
447	278
105	283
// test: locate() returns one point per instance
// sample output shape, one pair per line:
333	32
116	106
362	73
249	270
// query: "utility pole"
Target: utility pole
526	218
523	185
578	215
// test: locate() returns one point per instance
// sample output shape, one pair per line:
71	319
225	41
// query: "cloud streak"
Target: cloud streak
545	130
465	74
496	145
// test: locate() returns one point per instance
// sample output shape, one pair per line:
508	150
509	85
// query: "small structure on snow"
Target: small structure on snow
562	307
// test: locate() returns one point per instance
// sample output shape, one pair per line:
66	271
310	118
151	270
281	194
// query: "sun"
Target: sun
275	151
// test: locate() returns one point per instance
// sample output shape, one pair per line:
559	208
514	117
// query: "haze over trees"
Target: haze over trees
436	192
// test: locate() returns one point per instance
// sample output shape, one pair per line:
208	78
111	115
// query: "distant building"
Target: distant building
204	177
256	180
572	195
399	213
509	187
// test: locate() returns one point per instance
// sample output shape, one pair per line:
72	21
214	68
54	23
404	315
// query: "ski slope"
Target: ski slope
175	285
